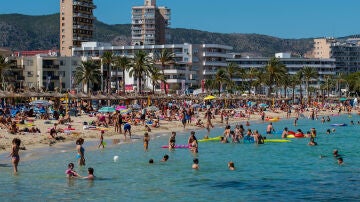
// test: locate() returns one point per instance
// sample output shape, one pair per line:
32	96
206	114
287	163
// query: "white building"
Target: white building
193	62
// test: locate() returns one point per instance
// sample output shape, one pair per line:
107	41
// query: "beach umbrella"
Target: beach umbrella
343	99
195	105
40	102
209	97
263	105
107	109
152	108
125	111
136	106
120	107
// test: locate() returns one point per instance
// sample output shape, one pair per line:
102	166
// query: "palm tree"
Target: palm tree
139	66
286	82
209	84
107	59
309	73
220	78
294	81
274	72
300	77
123	63
4	64
165	57
231	71
251	74
87	72
155	76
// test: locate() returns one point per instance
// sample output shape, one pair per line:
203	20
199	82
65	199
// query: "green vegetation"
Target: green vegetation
24	32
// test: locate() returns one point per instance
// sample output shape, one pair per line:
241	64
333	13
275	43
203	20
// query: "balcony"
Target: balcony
178	80
84	15
215	63
51	66
209	72
216	54
79	3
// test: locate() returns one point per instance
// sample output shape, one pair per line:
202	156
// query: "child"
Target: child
165	158
15	158
91	175
195	164
147	128
70	172
231	165
101	144
146	141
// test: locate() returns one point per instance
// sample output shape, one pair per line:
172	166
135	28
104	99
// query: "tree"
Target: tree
107	59
274	72
4	64
300	77
231	71
309	73
165	57
87	72
251	75
155	76
123	63
220	78
294	81
139	66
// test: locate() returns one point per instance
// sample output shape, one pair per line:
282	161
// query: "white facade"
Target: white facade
191	60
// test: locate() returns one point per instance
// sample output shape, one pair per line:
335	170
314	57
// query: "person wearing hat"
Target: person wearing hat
101	144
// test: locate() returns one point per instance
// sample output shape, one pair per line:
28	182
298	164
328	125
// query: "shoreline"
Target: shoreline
36	142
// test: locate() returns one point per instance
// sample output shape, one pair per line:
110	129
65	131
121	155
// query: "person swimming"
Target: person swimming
231	165
70	172
195	164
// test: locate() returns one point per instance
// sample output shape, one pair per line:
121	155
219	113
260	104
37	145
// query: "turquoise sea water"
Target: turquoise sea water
273	172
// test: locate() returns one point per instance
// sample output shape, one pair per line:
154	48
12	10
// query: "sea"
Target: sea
290	171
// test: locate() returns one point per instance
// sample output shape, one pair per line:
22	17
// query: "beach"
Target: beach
41	140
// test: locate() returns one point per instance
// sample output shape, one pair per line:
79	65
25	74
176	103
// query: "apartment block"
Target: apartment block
191	61
346	53
76	24
149	24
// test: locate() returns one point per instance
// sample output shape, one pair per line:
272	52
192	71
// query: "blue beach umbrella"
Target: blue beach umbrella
106	109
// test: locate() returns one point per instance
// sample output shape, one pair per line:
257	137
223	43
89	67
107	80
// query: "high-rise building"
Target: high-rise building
149	24
76	24
346	53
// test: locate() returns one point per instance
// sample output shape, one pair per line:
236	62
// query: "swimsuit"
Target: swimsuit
16	157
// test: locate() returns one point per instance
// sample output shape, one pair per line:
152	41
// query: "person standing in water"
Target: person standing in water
172	140
80	151
101	143
146	141
15	158
269	128
192	142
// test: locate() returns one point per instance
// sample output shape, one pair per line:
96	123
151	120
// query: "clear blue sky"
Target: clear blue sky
280	18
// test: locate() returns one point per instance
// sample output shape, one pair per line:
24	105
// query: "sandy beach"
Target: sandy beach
40	140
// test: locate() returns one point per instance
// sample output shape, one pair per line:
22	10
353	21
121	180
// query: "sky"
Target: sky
280	18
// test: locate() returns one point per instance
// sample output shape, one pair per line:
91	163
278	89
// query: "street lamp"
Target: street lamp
70	47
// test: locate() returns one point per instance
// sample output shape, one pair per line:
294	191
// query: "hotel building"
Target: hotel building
149	24
76	24
347	53
193	62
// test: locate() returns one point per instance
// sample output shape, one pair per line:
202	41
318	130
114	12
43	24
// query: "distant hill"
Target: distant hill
24	32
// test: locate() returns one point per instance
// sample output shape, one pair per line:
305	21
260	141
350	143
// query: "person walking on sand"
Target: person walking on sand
118	122
80	151
101	143
15	158
208	116
127	129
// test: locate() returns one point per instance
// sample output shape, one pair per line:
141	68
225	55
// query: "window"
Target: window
30	74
